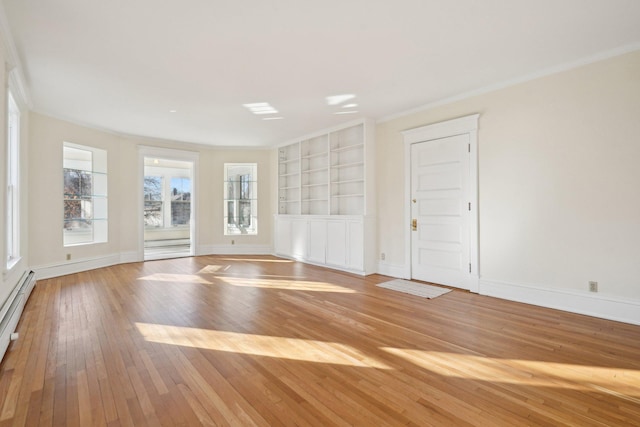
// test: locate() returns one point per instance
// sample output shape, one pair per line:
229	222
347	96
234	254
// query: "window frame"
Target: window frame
240	192
12	200
94	204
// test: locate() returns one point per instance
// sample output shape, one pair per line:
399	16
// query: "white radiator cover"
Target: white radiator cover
12	310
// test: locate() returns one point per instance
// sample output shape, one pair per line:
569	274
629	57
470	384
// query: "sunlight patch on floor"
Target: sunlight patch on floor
175	278
291	285
623	382
259	345
213	269
257	260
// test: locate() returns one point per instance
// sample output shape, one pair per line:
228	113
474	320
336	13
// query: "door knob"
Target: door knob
414	224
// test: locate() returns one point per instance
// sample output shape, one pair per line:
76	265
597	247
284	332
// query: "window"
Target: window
180	201
153	201
240	198
13	183
167	198
85	195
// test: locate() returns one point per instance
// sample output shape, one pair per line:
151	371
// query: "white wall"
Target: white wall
558	179
557	172
45	197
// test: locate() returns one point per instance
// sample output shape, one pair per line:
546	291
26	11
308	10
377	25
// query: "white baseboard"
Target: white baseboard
47	271
127	257
235	250
392	270
590	304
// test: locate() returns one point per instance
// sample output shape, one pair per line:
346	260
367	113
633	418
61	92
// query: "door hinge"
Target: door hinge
469	267
469	205
468	148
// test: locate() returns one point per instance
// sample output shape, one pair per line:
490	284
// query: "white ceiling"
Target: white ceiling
122	65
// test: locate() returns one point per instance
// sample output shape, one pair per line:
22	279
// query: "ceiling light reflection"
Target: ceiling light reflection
339	99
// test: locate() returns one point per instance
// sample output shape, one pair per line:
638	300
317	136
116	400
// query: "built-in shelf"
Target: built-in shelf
347	165
331	168
348	195
311	156
347	181
329	217
284	162
347	148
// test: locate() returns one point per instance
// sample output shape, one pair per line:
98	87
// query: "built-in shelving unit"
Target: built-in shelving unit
289	179
326	199
326	174
315	179
348	171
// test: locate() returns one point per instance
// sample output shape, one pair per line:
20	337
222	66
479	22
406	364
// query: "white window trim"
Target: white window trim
12	199
254	167
103	158
170	154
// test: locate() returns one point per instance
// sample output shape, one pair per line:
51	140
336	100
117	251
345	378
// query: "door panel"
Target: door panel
440	181
356	245
317	241
337	243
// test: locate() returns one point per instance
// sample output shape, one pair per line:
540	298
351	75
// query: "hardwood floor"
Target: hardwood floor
231	340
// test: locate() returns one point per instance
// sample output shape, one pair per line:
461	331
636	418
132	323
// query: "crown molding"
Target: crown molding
518	80
15	74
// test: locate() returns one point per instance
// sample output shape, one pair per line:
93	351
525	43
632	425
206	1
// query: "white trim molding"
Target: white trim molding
590	304
235	250
169	154
464	125
48	271
13	65
391	270
549	71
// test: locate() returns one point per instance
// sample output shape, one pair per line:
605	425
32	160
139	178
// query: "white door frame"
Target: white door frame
170	154
464	125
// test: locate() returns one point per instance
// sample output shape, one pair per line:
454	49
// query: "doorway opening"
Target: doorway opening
168	209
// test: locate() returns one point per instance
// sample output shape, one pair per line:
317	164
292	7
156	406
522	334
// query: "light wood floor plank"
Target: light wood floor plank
258	340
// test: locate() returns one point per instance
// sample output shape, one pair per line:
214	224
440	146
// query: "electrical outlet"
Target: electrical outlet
382	256
68	257
593	286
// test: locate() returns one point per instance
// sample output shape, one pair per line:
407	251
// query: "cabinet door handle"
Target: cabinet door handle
414	224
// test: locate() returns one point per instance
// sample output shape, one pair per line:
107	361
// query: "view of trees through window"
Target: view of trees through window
78	189
84	171
156	198
153	201
241	198
180	201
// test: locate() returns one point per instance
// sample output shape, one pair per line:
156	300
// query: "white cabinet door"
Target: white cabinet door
283	237
355	244
317	241
337	243
299	238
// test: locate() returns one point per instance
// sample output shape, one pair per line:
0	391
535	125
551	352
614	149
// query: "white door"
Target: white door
440	197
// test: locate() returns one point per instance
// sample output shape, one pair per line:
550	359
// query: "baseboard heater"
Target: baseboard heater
12	310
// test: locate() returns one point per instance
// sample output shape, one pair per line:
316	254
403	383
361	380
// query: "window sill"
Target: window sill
10	266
